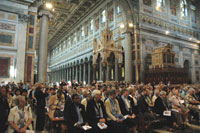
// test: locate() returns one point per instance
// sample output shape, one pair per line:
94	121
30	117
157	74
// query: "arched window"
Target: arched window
91	25
183	7
82	32
160	3
103	16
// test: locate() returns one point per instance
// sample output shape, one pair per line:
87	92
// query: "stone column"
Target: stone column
100	71
80	71
192	67
128	58
84	72
76	72
67	73
60	74
108	72
94	72
89	72
43	46
71	73
104	73
181	62
116	70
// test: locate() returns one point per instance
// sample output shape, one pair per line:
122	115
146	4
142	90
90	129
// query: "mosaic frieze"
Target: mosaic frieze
6	26
169	26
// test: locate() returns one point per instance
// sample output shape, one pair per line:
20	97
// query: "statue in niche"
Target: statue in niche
110	15
173	7
147	2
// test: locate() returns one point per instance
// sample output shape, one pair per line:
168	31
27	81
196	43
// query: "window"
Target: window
82	32
69	42
91	25
193	14
118	10
103	16
183	6
74	40
173	7
160	3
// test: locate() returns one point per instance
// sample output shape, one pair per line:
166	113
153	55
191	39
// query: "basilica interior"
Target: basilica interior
132	41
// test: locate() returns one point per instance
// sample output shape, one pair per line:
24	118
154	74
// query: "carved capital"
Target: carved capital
45	12
23	18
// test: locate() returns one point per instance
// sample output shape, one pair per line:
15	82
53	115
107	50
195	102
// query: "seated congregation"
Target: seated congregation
98	108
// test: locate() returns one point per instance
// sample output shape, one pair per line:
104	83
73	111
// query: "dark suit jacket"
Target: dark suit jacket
40	97
134	108
91	114
4	111
122	106
142	105
159	107
71	116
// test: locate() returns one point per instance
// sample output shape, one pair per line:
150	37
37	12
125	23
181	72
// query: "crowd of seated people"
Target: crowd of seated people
118	107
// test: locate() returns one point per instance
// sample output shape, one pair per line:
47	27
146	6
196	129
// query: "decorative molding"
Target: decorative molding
22	18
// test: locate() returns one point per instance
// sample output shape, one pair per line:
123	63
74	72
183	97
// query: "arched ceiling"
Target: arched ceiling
66	14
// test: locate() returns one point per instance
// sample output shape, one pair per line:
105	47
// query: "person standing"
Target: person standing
4	110
40	107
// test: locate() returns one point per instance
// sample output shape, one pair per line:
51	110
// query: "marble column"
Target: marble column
76	72
108	72
181	62
43	46
100	72
192	67
68	73
89	72
94	72
116	70
104	73
128	58
71	73
84	72
80	73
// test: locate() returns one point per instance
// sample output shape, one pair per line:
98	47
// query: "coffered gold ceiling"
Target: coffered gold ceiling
66	14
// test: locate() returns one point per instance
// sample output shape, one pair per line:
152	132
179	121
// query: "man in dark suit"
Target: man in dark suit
126	109
96	111
40	108
4	110
145	113
75	116
161	106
